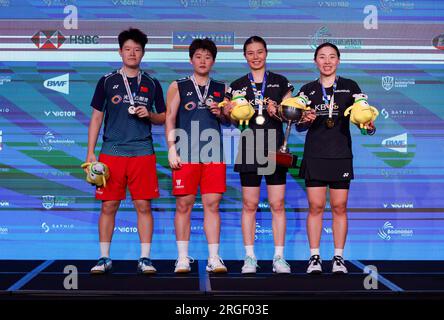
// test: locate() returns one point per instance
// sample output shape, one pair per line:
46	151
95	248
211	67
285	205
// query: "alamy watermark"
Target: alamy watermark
71	281
209	143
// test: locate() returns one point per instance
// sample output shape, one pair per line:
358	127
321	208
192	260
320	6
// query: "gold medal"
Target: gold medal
330	123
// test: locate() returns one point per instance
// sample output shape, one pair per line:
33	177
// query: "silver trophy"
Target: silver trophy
291	111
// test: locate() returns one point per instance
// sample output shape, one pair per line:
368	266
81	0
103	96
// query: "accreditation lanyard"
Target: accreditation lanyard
127	86
332	100
258	95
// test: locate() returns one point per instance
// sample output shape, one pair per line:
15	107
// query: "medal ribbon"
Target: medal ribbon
127	87
197	89
332	100
258	95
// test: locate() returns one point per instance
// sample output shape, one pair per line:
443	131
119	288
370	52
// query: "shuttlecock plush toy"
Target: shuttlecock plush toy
299	102
361	113
96	173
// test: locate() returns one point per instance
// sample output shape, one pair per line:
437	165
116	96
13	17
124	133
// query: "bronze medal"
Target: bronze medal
330	123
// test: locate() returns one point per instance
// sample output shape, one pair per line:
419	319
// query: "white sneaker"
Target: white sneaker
314	265
183	265
250	265
280	265
339	265
104	265
216	265
145	266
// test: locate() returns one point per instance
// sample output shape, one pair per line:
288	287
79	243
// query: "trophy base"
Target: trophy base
285	159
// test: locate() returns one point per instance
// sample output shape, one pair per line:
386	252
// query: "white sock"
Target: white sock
213	249
249	250
339	252
104	249
145	249
182	248
314	252
279	251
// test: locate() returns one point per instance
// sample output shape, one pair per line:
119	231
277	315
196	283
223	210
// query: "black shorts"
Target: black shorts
251	179
331	184
326	169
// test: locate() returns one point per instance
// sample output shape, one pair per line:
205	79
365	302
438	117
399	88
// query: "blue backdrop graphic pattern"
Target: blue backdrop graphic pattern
47	210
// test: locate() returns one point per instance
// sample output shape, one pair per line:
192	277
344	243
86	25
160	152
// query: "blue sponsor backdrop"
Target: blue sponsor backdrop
52	54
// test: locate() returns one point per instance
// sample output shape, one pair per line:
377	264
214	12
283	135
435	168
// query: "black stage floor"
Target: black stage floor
394	280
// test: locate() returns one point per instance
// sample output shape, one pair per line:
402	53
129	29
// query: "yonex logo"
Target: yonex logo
116	86
189	93
345	175
59	84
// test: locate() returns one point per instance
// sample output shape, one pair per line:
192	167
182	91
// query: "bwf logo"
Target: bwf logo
59	84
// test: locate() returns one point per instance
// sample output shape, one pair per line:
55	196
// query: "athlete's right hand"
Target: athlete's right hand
91	158
174	159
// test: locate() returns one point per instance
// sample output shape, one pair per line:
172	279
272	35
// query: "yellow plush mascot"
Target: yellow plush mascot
361	113
96	173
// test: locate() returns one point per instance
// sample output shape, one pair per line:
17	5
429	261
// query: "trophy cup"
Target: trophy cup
290	111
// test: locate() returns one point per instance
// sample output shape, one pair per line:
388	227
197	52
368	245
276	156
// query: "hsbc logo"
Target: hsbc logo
59	84
48	39
4	203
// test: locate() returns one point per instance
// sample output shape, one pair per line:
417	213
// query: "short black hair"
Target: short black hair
133	34
204	44
327	44
254	39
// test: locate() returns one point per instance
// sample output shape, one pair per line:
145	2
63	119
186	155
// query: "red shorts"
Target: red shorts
211	177
138	173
